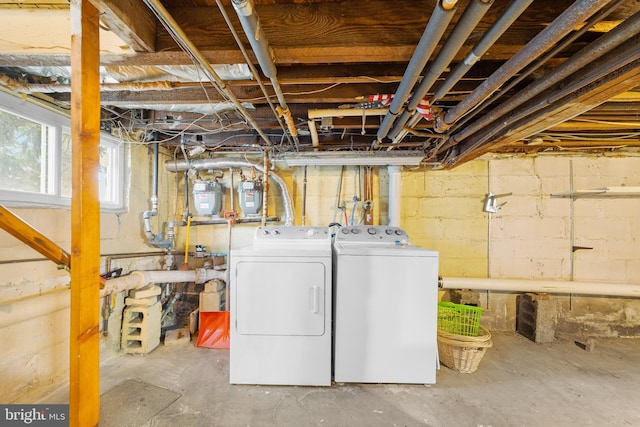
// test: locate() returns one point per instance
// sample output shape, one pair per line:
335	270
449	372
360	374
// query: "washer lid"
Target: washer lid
389	250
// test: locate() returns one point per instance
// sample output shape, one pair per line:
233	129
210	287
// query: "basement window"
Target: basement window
35	159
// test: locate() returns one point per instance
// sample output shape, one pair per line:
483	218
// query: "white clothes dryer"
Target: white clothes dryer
280	307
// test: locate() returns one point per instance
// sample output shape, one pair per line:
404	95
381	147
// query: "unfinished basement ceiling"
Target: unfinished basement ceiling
446	81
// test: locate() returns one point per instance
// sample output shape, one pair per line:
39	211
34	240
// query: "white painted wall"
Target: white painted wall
34	300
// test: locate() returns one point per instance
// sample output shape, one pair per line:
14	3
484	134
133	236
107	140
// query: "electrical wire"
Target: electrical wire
310	92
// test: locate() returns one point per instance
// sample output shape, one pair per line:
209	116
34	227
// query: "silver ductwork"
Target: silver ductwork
156	240
223	163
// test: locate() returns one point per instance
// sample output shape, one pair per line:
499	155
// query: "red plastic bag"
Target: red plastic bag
214	329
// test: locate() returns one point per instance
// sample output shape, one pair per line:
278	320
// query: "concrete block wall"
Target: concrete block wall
530	237
441	210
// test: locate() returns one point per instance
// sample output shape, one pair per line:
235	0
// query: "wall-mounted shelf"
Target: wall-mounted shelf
601	192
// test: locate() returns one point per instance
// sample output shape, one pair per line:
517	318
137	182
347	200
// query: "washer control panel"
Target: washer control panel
372	234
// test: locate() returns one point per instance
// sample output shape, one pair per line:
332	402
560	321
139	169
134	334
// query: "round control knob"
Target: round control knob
275	232
388	231
311	232
399	233
372	231
265	232
344	230
355	230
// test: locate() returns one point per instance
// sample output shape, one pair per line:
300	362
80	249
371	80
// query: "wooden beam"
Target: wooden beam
84	370
332	93
359	28
130	20
18	228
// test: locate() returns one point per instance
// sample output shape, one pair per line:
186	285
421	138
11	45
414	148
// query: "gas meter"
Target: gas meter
207	197
250	195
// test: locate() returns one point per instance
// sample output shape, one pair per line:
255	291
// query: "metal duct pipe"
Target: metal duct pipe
220	163
253	69
572	17
582	59
515	9
531	68
395	195
265	167
465	25
190	49
549	286
257	38
433	32
155	240
140	278
250	22
585	80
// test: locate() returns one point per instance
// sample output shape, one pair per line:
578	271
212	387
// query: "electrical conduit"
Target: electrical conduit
586	56
250	22
465	25
433	32
571	18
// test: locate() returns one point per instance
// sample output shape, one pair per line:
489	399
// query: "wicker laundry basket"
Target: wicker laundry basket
463	353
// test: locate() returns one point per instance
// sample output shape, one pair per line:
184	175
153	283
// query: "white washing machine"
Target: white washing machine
280	306
385	307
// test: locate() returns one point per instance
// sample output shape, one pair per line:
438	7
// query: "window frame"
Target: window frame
60	124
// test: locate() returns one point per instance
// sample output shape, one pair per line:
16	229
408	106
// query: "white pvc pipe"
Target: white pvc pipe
395	183
549	286
140	278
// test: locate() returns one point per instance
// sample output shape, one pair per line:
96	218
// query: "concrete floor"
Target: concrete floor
518	383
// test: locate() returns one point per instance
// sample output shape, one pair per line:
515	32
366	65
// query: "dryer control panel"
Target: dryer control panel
281	234
372	234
